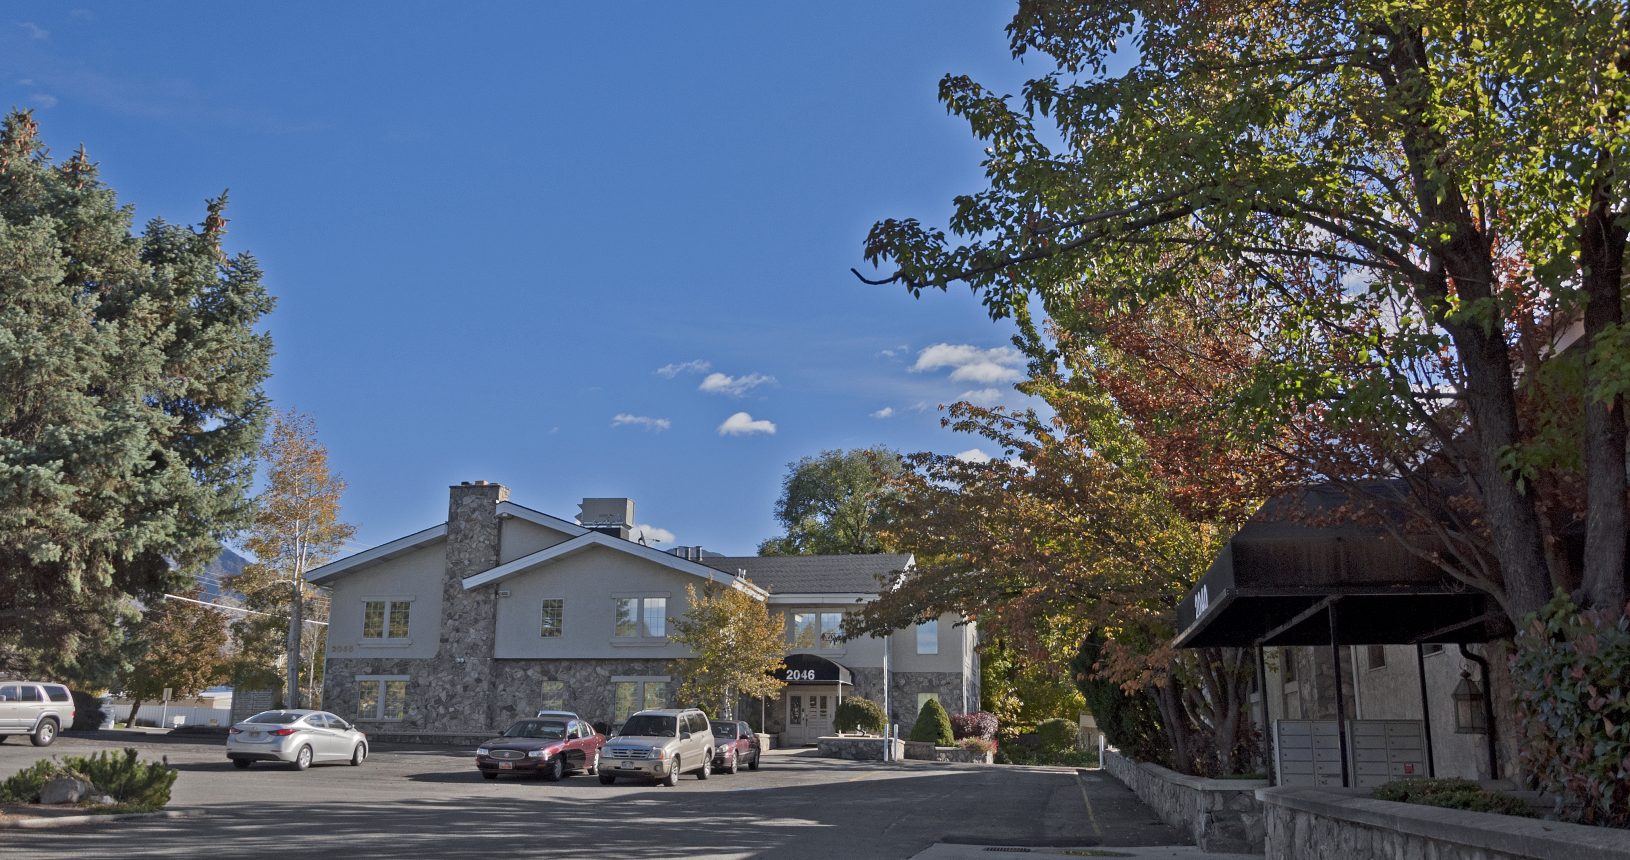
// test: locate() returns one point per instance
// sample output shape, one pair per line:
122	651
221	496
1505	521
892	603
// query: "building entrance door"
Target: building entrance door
809	713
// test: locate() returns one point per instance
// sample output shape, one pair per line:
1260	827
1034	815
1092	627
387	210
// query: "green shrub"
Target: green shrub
856	714
1453	794
1056	735
133	784
24	786
1569	670
933	725
1130	723
1017	754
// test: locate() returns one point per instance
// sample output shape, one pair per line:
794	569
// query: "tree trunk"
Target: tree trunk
135	708
1602	261
295	623
1174	720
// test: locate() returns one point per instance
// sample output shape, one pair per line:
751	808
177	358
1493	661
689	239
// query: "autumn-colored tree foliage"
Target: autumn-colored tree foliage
738	645
296	528
182	646
1403	187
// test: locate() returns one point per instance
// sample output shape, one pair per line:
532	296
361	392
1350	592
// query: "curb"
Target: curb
78	820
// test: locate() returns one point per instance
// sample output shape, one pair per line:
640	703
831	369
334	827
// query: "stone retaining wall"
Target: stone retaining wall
1221	815
858	748
1315	824
925	751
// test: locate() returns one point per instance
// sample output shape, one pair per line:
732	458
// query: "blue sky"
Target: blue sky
491	227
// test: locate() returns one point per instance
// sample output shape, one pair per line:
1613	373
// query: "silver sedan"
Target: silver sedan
297	737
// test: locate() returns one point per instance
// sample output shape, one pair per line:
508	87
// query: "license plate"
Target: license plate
254	736
504	765
625	764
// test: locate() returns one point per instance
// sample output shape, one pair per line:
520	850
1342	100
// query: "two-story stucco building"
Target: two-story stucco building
503	610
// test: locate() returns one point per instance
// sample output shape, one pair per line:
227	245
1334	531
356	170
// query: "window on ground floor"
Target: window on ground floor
922	699
382	697
633	695
553	696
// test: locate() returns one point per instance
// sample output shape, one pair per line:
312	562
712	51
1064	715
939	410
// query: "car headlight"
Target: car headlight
662	753
538	754
481	751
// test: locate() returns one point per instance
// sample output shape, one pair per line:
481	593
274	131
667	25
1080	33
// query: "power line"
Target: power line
232	608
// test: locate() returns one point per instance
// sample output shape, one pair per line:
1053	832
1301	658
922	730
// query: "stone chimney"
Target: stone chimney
468	618
610	516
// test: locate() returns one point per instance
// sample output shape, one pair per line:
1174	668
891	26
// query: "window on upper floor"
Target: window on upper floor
831	628
554	617
641	617
928	637
815	630
385	619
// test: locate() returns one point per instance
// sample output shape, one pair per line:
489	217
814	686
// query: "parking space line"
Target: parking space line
1091	816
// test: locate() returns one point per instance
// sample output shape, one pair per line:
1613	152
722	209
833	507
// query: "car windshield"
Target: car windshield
724	730
277	718
546	729
650	725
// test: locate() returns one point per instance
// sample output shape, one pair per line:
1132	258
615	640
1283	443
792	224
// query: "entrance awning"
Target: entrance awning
1278	579
813	669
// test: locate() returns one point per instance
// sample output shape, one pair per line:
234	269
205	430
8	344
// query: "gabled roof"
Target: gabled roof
817	574
590	539
403	545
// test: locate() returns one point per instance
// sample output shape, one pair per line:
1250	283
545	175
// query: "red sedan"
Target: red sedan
734	745
545	747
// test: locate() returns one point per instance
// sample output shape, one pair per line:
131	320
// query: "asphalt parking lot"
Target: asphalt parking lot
431	802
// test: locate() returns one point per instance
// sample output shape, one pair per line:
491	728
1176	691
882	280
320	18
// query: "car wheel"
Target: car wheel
734	765
753	765
487	774
241	763
358	754
672	778
555	770
45	733
594	763
302	759
706	770
607	779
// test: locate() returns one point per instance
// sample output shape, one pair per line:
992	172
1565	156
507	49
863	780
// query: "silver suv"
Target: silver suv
660	745
35	708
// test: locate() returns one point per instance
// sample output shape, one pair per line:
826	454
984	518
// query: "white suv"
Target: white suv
35	708
660	745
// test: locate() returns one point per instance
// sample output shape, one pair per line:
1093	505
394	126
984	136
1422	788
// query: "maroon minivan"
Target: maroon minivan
548	747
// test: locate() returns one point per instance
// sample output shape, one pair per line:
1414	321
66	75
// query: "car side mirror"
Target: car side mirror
684	736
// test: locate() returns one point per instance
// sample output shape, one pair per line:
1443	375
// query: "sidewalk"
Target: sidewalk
946	851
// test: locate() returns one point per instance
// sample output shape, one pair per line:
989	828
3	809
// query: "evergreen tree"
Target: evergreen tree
130	404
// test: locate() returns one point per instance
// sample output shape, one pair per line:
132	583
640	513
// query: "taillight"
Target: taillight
282	732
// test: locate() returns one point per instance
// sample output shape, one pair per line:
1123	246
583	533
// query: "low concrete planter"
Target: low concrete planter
856	748
1320	823
1222	815
924	751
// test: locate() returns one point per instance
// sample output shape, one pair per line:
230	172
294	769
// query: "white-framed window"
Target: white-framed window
386	619
554	618
922	699
553	696
630	695
928	636
831	628
641	617
815	630
381	697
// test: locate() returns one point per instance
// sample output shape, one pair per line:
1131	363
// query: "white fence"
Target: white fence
176	714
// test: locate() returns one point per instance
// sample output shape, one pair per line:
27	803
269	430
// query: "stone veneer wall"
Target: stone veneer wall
1217	814
903	690
518	685
1321	824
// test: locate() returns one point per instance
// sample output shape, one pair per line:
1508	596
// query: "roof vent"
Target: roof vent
613	516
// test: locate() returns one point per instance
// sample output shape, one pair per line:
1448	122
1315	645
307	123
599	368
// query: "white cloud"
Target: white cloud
895	351
34	31
669	371
971	364
982	396
652	534
742	424
649	423
44	100
920	406
735	386
884	412
973	455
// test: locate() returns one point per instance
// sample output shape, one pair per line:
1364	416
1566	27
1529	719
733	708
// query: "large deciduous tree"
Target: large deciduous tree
130	404
738	645
182	647
296	527
1451	178
831	504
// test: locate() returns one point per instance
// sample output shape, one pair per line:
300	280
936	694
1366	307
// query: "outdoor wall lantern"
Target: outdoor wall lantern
1469	714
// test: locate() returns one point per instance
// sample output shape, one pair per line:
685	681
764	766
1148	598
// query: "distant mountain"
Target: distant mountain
213	577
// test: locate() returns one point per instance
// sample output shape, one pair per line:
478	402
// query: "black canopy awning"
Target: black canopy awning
1279	579
813	669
